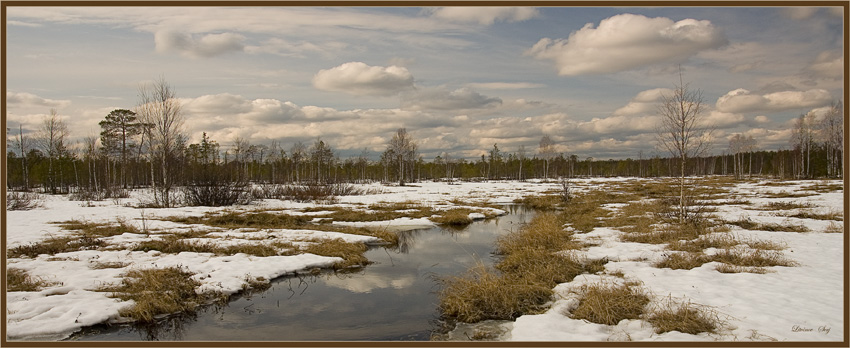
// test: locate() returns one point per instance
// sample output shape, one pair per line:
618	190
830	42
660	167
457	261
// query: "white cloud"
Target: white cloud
828	64
628	41
357	78
31	100
485	15
206	46
742	100
440	98
23	24
505	85
644	102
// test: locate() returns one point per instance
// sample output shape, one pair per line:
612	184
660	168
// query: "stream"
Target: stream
392	299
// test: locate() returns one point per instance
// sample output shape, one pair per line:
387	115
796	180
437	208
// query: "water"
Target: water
392	299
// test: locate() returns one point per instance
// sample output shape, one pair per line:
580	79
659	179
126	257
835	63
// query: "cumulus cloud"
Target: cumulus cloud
644	102
206	46
742	100
628	41
29	99
485	15
357	78
440	98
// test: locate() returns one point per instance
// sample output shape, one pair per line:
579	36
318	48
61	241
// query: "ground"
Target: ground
798	303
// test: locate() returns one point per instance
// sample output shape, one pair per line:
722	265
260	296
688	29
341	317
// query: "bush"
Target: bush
22	201
217	194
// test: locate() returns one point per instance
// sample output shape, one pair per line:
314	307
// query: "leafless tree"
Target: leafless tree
160	109
832	134
803	140
683	131
23	143
521	154
402	149
546	150
51	140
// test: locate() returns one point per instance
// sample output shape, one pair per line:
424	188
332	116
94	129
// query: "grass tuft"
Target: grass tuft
156	292
454	217
21	280
687	318
483	294
610	304
351	253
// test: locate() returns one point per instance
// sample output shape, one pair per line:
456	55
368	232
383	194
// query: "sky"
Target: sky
459	79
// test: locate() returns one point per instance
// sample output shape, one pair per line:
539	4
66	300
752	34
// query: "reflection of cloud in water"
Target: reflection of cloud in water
367	282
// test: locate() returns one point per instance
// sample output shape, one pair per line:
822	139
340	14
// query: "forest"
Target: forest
148	148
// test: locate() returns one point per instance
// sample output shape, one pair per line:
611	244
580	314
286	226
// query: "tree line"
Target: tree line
147	147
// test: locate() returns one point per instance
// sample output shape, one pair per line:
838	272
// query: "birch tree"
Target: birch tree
160	109
683	131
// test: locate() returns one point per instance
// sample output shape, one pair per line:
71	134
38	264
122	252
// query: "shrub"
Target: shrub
216	194
22	200
610	304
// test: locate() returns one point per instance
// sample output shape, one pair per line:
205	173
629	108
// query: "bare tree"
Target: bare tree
802	140
521	154
51	140
161	110
23	144
832	133
683	131
298	152
546	149
402	149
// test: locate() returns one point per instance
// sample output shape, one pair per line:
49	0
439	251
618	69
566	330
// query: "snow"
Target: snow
801	303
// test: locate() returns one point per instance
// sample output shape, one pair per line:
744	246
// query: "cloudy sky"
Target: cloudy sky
459	79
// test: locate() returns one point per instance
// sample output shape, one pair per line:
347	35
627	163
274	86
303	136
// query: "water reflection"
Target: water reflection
392	299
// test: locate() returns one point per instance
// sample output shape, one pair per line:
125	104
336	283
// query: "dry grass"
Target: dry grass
20	280
172	244
610	304
834	228
669	233
522	280
832	215
483	294
55	245
107	265
542	202
727	268
454	217
785	206
157	292
351	253
688	318
723	241
740	257
94	229
748	224
22	200
785	194
544	232
686	260
824	187
752	258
